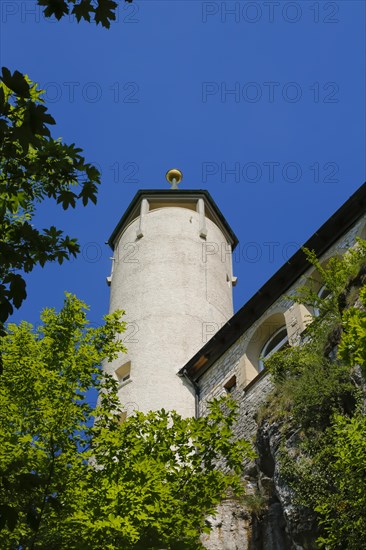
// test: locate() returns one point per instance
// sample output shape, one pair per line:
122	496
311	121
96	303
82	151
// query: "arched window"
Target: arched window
274	343
323	292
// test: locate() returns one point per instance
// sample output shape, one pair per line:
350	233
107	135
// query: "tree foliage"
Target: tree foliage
352	348
341	507
74	477
320	384
307	375
33	167
99	11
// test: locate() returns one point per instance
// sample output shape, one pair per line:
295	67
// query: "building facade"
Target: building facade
231	361
172	274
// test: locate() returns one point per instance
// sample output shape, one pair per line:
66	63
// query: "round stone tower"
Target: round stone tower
172	274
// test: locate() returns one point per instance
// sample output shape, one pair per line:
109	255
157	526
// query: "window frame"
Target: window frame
320	291
278	346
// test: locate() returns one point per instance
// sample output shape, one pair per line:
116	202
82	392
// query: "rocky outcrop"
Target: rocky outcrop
283	525
266	519
268	532
230	528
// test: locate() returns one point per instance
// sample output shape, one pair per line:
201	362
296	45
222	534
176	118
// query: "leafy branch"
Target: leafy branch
33	167
99	11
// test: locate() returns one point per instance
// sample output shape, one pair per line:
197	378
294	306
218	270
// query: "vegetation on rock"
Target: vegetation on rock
319	392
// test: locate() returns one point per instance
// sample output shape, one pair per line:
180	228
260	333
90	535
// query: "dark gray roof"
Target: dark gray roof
166	193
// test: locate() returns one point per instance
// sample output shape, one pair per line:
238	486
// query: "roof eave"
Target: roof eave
166	193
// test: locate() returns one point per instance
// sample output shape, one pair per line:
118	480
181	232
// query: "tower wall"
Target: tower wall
176	290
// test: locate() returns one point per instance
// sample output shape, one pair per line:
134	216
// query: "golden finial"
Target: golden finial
174	177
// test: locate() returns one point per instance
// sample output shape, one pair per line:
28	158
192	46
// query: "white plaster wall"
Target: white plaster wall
172	284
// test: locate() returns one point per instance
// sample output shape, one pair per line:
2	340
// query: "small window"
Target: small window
324	292
123	373
277	341
230	384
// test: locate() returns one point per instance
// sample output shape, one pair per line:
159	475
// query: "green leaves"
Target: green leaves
58	8
342	509
105	12
67	198
102	11
163	478
33	167
17	288
16	82
45	428
64	467
83	10
38	118
25	119
320	394
8	517
352	347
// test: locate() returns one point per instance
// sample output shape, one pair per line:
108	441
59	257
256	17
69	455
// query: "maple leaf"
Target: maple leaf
58	8
104	13
16	82
83	10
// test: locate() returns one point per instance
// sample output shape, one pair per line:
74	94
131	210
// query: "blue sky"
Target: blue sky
261	103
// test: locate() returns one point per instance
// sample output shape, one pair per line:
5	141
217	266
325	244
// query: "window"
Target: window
275	342
323	293
230	384
123	373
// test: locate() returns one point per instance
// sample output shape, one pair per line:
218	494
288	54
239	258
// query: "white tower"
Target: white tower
172	274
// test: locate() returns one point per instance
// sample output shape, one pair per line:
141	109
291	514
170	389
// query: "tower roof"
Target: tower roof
179	195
